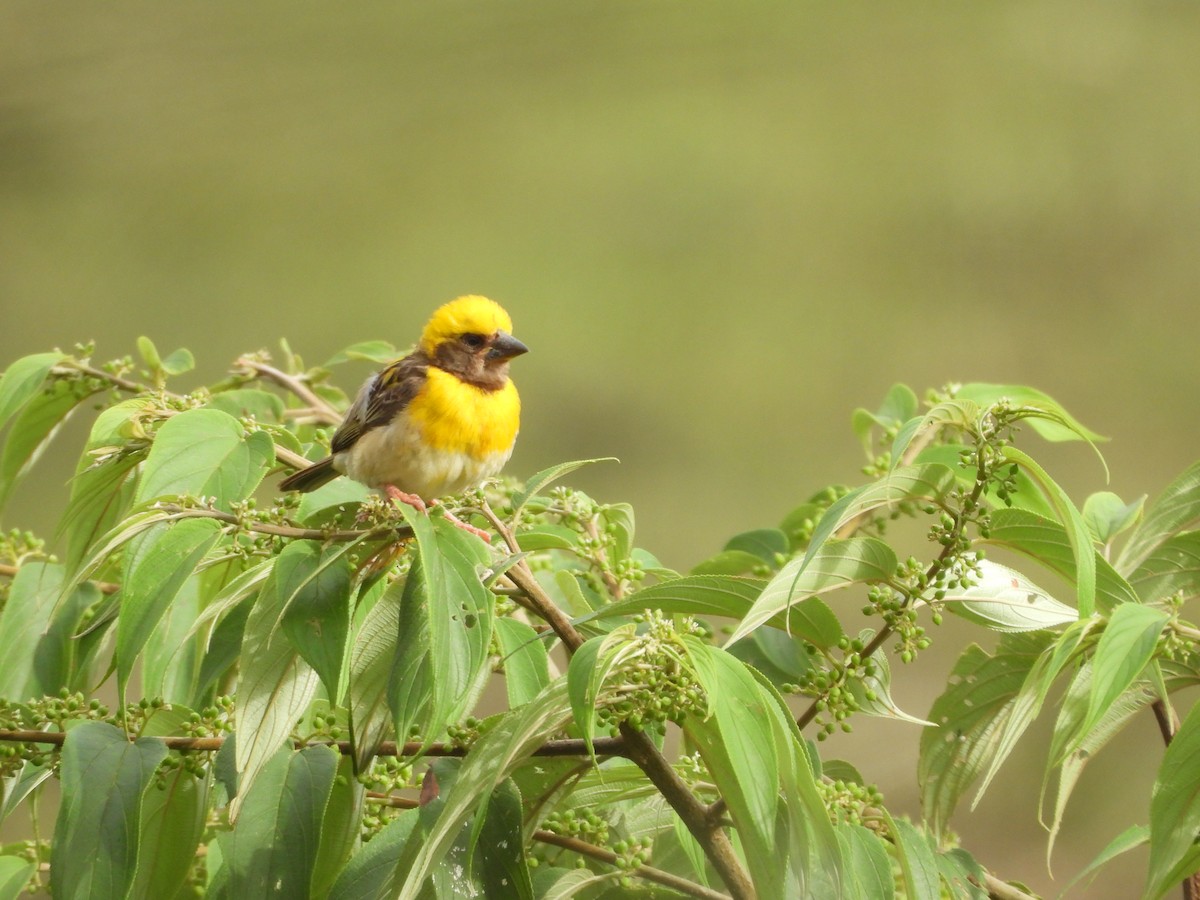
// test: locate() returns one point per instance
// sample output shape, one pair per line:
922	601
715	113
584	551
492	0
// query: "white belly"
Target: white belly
394	454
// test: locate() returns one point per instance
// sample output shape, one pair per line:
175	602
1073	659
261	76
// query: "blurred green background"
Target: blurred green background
719	226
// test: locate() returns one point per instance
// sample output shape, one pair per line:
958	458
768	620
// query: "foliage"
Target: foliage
299	678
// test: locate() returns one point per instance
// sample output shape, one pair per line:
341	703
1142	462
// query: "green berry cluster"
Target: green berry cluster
631	855
652	679
386	775
465	733
834	700
582	824
849	801
44	714
212	721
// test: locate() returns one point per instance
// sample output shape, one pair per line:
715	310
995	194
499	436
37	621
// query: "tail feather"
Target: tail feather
311	478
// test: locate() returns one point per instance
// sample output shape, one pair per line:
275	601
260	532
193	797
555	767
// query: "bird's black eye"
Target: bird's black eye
474	341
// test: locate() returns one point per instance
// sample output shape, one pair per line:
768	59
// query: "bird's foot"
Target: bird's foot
420	506
412	500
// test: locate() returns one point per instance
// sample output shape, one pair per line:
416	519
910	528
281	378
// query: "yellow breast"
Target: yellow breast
461	418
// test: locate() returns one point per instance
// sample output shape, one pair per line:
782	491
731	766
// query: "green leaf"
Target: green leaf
617	520
738	746
1028	701
100	497
525	659
1071	748
970	716
838	564
367	874
962	875
1077	533
899	405
1176	509
926	481
1005	600
492	759
1132	837
1171	567
1175	807
169	831
36	631
341	827
767	544
1046	542
728	562
313	583
157	563
1107	515
702	595
19	785
588	668
870	869
879	685
15	874
36	424
177	362
1125	647
445	628
148	352
1048	418
915	433
23	380
374	649
546	477
500	854
104	777
548	537
366	351
242	402
273	689
205	453
271	850
918	860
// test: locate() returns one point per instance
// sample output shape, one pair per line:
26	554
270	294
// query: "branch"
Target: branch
639	748
319	407
567	747
289	531
575	845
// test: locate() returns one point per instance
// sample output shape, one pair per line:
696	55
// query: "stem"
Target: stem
319	407
567	747
639	748
290	531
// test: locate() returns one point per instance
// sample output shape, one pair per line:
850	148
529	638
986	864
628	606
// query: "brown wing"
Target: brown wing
381	399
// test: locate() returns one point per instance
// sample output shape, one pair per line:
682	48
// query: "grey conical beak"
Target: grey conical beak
505	346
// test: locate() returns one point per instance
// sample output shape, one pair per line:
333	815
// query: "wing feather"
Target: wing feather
381	399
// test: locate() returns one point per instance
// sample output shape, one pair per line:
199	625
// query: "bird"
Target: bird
438	421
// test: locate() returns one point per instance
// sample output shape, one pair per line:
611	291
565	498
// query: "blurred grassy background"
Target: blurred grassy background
720	227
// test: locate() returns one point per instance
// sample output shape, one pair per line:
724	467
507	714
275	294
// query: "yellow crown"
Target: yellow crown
472	314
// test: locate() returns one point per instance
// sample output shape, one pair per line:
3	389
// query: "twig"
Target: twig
568	747
583	848
693	811
289	531
70	365
319	406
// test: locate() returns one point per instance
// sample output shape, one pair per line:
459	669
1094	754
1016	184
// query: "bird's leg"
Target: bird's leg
412	500
419	505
